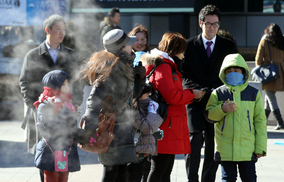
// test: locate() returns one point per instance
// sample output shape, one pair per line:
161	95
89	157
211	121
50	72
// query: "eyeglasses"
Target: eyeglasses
208	25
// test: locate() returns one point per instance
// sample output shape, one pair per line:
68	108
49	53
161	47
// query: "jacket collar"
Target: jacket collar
43	49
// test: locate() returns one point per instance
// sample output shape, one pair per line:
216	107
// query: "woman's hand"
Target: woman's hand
198	94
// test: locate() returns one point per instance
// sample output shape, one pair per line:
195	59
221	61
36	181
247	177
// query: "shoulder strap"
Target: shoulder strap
53	151
154	68
269	52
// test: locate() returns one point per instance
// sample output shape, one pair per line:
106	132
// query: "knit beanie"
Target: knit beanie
146	89
54	79
116	39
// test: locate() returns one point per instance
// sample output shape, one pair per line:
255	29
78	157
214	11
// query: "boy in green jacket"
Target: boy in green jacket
237	110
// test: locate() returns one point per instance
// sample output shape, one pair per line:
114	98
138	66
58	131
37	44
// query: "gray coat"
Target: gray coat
37	63
105	27
121	149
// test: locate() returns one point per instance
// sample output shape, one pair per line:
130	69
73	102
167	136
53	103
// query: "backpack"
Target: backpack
156	95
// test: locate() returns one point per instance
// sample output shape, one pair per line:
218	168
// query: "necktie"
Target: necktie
208	49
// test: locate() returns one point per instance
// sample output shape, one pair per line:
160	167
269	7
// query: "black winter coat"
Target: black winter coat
199	71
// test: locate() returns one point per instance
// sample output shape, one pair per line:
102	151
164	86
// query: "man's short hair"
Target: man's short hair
51	20
209	10
113	11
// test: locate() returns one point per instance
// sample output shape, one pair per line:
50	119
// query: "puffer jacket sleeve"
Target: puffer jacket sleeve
168	89
214	106
114	86
94	102
149	124
260	120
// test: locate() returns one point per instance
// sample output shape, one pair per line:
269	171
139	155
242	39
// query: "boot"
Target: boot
267	113
279	119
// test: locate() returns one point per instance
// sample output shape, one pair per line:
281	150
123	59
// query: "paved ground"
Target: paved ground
16	165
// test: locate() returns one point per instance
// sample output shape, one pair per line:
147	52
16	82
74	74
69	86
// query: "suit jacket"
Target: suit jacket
199	71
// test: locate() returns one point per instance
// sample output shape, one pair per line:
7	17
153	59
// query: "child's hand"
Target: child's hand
153	106
229	107
144	96
198	93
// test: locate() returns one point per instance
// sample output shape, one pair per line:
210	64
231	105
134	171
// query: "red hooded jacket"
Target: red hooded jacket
176	134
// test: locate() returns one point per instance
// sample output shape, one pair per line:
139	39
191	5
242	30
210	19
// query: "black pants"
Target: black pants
192	161
146	170
117	173
246	170
136	170
161	168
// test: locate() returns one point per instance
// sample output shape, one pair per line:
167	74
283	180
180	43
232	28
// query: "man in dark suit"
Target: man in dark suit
48	56
200	70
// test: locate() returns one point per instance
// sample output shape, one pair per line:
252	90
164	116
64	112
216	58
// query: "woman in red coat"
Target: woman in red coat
176	134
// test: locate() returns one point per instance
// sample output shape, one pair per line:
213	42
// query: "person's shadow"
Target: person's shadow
14	154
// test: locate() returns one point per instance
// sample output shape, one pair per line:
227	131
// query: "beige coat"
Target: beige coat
277	54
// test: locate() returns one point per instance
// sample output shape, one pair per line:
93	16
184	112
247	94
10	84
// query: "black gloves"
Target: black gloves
139	71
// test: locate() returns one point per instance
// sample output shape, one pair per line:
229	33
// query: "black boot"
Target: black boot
279	119
267	113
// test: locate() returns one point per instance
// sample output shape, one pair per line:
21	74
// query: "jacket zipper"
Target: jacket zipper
223	126
249	120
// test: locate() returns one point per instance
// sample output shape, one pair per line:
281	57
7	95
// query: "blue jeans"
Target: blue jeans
246	170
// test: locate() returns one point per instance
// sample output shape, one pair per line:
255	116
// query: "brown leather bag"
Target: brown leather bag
103	135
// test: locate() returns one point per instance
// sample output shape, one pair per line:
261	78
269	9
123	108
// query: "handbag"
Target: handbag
99	140
266	74
156	95
60	158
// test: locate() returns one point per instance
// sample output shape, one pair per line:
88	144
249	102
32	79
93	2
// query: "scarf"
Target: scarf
125	63
160	53
143	107
55	98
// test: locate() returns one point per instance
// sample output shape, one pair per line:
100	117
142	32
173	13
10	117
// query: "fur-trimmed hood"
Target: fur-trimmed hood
149	59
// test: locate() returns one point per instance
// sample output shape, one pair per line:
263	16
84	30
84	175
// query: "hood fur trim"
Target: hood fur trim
149	59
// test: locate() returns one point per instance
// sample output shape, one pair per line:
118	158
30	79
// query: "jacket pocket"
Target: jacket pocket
174	128
249	122
223	125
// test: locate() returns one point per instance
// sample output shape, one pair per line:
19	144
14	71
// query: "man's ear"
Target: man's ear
200	23
46	29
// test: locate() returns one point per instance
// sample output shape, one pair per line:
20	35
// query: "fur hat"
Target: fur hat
54	79
116	39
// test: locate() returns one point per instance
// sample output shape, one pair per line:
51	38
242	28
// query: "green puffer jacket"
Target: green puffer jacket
241	134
